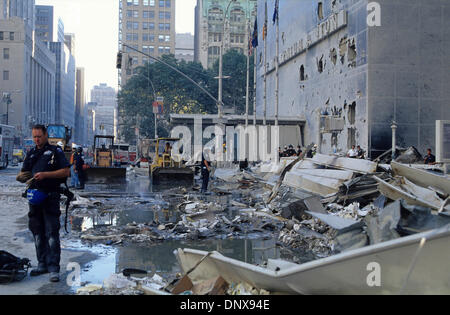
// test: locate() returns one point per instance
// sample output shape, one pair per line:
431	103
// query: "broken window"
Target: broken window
320	10
302	73
320	65
352	113
333	56
343	48
351	51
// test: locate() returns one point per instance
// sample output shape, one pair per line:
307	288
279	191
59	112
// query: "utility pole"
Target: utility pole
265	65
254	85
221	77
247	92
277	65
8	101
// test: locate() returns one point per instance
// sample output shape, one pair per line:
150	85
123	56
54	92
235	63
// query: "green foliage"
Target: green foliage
180	95
234	88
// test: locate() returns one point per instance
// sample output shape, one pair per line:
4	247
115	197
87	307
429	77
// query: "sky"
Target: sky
95	24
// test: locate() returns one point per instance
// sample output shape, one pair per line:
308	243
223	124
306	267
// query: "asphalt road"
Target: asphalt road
17	239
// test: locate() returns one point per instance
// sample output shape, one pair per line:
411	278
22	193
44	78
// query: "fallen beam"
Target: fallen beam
421	177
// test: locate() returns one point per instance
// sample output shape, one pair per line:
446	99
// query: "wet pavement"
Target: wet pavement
137	202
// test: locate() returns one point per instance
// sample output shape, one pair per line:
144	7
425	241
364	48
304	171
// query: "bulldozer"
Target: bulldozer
166	167
104	169
60	133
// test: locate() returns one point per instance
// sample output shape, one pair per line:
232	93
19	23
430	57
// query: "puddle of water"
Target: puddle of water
160	258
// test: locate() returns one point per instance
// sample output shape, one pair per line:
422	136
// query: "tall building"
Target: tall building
44	23
348	77
23	9
69	82
69	40
105	108
80	133
90	123
65	76
148	26
27	76
184	47
211	25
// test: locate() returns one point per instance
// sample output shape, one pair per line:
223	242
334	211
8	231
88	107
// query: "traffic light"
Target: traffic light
119	60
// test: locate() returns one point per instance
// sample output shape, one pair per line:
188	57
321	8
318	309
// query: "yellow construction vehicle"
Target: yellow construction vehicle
104	169
167	167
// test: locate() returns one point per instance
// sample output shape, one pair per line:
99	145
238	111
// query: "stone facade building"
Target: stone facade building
27	75
349	68
148	26
211	25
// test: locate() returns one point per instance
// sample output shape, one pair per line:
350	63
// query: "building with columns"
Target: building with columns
211	25
27	76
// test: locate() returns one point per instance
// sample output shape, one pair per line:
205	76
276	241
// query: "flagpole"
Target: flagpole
265	64
254	85
255	53
277	86
247	92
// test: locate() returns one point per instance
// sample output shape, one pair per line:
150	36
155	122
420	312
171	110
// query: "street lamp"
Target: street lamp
220	103
7	99
154	99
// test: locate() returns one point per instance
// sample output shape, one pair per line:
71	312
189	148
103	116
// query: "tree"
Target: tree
180	95
234	88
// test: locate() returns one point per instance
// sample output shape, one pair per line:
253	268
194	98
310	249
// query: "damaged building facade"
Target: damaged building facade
349	79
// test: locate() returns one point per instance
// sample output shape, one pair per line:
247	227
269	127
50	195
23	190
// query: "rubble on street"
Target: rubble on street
315	208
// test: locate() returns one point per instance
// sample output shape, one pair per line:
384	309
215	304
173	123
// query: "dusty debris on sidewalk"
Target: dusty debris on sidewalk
119	284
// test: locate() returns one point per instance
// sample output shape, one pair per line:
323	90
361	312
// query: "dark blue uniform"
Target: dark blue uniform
205	175
44	219
79	162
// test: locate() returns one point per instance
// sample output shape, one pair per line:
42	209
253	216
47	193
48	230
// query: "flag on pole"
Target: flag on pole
275	12
255	34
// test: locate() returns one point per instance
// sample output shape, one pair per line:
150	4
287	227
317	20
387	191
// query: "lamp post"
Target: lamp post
220	103
7	99
154	99
394	139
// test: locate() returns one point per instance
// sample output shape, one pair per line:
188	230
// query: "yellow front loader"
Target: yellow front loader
104	169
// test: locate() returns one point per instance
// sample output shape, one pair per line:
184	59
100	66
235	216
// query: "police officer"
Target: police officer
205	172
49	168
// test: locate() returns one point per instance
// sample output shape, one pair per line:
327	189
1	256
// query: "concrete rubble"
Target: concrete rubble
315	208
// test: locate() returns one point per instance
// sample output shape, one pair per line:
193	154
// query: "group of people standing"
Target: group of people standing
356	153
289	151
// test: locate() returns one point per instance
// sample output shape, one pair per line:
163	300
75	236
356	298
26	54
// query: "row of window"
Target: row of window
148	26
235	39
3	35
150	49
151	3
148	14
215	50
147	37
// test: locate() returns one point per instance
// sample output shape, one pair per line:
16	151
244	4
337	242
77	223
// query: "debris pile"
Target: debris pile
336	204
125	284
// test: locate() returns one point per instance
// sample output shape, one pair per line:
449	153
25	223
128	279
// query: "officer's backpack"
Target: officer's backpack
12	268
